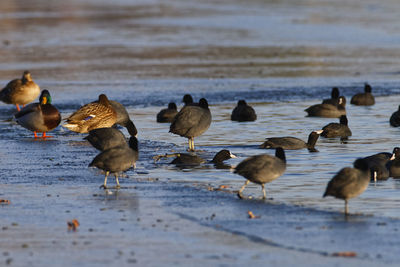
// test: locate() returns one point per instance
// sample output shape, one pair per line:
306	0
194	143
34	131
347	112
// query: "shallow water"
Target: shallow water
279	56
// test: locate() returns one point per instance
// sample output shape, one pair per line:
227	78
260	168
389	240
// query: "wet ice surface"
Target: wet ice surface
281	58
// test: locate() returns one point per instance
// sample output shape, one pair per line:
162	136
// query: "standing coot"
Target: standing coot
349	182
262	169
117	159
192	121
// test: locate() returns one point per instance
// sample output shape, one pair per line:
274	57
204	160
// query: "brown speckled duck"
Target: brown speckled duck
20	91
39	117
91	116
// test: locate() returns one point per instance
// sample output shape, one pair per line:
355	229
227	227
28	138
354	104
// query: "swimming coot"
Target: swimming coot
334	100
243	112
395	118
394	163
334	129
289	142
364	99
167	114
328	110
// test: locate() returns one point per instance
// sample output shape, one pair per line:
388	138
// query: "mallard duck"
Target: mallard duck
192	121
20	91
99	114
39	117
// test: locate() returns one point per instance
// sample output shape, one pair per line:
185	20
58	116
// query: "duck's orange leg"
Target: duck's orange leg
18	108
44	136
34	132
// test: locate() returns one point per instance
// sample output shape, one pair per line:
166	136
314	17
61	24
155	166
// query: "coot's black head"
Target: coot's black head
187	99
343	120
342	101
222	155
203	103
335	92
242	103
133	143
396	153
172	105
361	164
280	153
367	88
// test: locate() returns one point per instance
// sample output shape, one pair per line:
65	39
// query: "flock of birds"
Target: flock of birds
98	119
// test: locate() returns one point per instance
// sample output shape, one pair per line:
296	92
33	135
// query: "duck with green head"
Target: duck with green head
39	117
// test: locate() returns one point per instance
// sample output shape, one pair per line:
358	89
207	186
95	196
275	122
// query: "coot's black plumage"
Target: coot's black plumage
334	100
192	121
334	129
243	112
328	110
262	169
378	165
364	99
105	138
185	159
395	118
349	182
291	143
394	164
123	118
167	114
117	159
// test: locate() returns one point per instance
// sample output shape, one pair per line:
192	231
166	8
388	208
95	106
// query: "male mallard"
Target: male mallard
98	114
20	91
39	117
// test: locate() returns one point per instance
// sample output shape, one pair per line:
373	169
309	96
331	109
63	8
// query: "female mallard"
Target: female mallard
20	91
39	117
91	116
